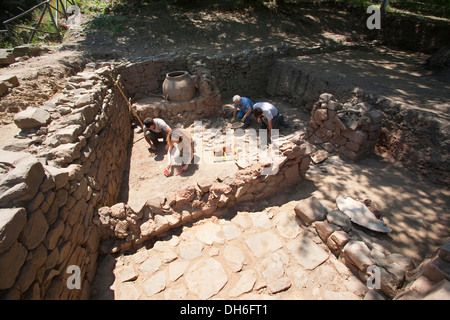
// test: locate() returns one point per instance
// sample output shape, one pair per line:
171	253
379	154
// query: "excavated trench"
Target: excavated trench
103	197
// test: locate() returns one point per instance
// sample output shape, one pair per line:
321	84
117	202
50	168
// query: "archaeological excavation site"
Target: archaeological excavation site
347	200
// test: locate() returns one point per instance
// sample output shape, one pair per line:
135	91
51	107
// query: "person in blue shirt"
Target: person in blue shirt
243	108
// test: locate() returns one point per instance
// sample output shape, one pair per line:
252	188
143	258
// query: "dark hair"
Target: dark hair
257	112
148	122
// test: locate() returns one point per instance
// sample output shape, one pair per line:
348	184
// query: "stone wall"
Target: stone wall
206	103
372	263
416	138
128	225
60	169
244	72
350	130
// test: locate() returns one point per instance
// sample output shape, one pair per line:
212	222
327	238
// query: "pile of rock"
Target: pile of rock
126	225
351	130
361	257
433	278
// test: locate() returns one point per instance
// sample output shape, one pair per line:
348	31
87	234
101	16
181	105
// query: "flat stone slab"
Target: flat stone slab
208	233
263	244
307	253
206	278
286	225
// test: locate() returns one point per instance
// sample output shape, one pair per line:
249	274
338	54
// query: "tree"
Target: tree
384	4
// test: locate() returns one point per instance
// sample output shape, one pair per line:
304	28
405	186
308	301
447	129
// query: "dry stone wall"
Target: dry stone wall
416	138
207	102
350	130
127	225
54	176
384	271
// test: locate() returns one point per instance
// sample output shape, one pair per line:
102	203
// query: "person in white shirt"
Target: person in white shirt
180	151
155	128
268	116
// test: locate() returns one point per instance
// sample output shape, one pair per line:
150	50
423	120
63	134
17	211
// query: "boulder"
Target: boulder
358	254
310	210
12	222
32	118
6	57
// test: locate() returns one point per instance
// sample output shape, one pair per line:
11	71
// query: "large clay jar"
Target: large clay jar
178	86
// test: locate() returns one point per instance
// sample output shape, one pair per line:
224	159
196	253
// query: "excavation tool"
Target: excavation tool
128	102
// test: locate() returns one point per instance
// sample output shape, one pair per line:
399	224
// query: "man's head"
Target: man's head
237	99
148	122
257	113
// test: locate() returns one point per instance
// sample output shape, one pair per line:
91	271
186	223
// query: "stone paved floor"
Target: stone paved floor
249	255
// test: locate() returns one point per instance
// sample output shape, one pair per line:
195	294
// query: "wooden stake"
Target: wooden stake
128	102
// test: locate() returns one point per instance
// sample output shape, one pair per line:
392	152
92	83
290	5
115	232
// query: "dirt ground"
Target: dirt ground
414	208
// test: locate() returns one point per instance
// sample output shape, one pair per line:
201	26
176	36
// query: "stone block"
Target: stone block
337	240
6	57
22	182
11	262
359	254
310	210
32	118
12	221
325	229
320	115
34	231
340	219
444	251
437	269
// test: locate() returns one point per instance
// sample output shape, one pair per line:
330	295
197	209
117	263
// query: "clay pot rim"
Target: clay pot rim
175	75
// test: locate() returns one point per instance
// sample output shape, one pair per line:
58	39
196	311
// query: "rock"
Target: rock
177	269
437	269
441	292
390	280
154	284
402	261
34	231
263	244
10	81
319	156
310	210
337	240
68	134
125	273
190	250
444	251
235	258
151	265
118	211
307	253
340	219
206	278
359	254
279	285
12	221
286	225
325	229
10	263
22	182
207	233
32	118
244	284
6	57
